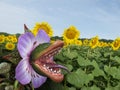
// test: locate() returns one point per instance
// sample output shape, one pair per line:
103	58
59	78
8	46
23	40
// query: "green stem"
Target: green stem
16	85
32	87
68	49
65	82
0	50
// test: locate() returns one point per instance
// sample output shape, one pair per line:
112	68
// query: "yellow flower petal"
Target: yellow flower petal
94	42
43	26
70	34
9	46
2	39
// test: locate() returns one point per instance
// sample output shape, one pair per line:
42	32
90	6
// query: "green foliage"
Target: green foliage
4	67
91	69
8	61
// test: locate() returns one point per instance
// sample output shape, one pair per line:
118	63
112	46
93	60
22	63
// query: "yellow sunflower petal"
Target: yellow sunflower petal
116	44
9	46
43	26
2	38
94	42
70	34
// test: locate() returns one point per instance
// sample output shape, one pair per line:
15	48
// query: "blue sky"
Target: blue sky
91	17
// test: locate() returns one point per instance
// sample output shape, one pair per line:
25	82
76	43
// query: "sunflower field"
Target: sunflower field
93	64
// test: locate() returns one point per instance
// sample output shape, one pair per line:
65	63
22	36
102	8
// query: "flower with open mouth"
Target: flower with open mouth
37	59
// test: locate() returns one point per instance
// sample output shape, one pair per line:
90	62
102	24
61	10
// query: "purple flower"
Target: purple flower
24	72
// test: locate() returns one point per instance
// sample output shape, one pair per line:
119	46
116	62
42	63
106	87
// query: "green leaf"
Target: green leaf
73	78
106	54
68	88
85	78
117	59
12	57
60	57
50	85
97	71
113	71
71	88
4	67
112	88
70	67
70	55
90	88
82	61
79	78
9	87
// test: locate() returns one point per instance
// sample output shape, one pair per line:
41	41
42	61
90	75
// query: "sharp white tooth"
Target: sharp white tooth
54	71
55	52
59	71
47	67
51	69
44	65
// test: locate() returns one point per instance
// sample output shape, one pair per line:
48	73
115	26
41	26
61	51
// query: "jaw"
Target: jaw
54	73
46	66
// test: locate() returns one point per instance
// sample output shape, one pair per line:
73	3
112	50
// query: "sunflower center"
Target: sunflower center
10	46
1	40
70	34
116	44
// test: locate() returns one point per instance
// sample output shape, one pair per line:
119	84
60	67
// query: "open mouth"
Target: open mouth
45	65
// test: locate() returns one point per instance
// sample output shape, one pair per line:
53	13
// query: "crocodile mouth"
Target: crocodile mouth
45	65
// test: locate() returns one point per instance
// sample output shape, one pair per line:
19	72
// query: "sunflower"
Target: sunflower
9	38
2	38
85	42
9	46
66	42
14	39
43	26
78	42
101	44
94	42
116	44
105	44
70	34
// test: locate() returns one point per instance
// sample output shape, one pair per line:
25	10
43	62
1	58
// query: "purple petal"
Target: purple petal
25	44
23	72
42	37
38	80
